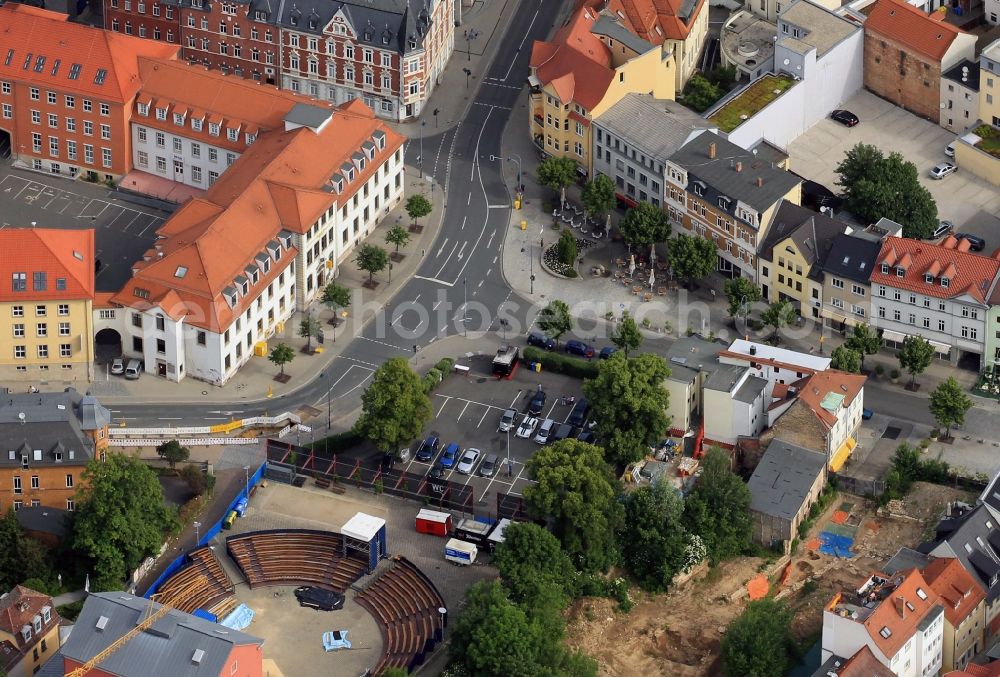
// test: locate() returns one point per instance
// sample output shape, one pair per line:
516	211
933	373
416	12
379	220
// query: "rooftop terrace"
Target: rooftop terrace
751	101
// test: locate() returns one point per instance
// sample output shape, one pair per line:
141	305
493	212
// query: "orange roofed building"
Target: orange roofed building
66	92
29	631
232	266
899	618
964	602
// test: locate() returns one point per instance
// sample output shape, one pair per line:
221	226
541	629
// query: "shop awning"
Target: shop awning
893	336
842	454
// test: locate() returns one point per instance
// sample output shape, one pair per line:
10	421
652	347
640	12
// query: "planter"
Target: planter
370	284
283	378
396	257
414	228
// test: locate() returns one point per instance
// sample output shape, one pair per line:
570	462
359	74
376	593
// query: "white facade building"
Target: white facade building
775	365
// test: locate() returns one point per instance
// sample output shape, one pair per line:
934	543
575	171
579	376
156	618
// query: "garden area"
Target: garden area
989	139
751	101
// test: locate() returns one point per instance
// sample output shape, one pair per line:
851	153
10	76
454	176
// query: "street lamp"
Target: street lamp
421	158
467	74
197	533
516	158
436	111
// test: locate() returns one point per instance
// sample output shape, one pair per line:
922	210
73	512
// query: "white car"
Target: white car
118	366
468	461
527	427
942	170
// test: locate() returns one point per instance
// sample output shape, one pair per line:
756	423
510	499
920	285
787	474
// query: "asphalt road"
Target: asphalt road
459	286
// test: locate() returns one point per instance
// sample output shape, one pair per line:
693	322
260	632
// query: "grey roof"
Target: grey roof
385	24
725	377
852	257
43	519
656	126
991	494
822	29
976	544
308	116
720	176
54	667
751	389
612	28
971	74
49	422
92	415
689	355
783	478
170	644
904	560
811	232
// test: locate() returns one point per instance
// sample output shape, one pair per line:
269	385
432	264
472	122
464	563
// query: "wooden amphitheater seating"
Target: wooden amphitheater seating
214	594
405	603
295	557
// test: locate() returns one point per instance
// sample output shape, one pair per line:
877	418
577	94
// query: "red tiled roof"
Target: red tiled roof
575	61
18	608
967	273
50	39
975	670
909	26
864	664
959	592
895	614
822	383
59	253
642	17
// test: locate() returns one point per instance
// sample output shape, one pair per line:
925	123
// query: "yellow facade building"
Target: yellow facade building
973	153
29	631
46	304
579	74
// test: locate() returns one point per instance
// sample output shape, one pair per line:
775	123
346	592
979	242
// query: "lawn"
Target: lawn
751	101
990	139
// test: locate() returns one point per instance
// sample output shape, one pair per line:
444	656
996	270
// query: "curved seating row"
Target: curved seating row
214	594
295	557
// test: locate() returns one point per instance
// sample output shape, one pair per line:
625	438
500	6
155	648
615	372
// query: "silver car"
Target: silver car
507	421
942	170
468	461
118	366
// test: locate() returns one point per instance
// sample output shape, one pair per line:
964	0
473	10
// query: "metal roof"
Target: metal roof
783	479
49	422
308	116
613	29
852	257
658	127
824	30
689	355
751	389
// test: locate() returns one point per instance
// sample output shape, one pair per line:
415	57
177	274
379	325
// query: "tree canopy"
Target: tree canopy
653	538
493	636
533	566
281	355
336	296
741	294
644	225
372	259
556	172
599	195
718	508
398	236
692	257
875	186
21	556
865	340
915	355
309	328
700	93
949	404
395	406
578	497
120	518
846	359
626	335
757	642
629	402
554	319
779	315
173	452
566	247
417	206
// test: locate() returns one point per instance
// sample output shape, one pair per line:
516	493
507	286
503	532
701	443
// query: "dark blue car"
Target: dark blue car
428	448
449	456
580	348
607	351
540	341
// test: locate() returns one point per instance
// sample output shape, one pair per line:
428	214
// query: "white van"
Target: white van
460	552
544	431
133	370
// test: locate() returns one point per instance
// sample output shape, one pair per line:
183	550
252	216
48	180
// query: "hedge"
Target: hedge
339	442
561	364
445	365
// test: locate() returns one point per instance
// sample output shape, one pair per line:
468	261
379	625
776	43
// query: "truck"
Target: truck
505	361
473	532
496	535
460	552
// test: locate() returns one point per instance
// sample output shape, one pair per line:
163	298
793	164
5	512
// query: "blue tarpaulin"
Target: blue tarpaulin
335	639
833	544
239	618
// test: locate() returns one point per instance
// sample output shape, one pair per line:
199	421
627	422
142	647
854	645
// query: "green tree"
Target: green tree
20	554
846	359
915	356
417	207
757	642
120	518
398	236
336	296
626	335
577	495
173	452
566	247
864	339
599	196
533	566
194	478
395	406
741	294
949	404
876	186
309	327
493	636
556	172
700	94
692	257
718	509
372	259
281	355
629	402
779	315
653	539
554	319
644	225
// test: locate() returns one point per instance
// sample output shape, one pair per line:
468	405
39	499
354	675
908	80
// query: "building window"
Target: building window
65	350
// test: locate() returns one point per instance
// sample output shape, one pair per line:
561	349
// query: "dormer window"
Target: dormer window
266	266
58	457
338	185
251	138
161	113
380	140
900	272
260	16
233	134
144	109
46	614
928	278
231	297
213	129
26	633
724	202
179	119
885	268
699	189
196	124
945	282
36	623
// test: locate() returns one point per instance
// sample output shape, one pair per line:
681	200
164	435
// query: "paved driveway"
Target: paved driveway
971	203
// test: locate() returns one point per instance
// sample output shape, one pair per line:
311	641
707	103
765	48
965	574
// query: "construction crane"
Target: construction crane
167	603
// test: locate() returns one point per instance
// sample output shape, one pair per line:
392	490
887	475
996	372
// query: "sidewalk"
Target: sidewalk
256	378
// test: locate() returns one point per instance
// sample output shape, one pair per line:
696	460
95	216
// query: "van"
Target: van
133	370
544	431
579	413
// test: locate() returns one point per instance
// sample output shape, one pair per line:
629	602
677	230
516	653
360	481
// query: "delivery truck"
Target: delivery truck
460	552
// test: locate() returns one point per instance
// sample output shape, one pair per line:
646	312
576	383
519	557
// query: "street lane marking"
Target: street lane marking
468	200
435	306
434	279
450	254
442	248
461	252
463	221
497	206
492	235
495	259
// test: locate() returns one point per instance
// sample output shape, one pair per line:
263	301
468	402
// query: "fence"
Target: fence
859	486
292	421
192	442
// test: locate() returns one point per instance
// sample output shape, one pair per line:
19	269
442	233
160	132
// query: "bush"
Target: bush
570	273
339	442
445	365
70	611
561	364
879	370
566	247
894	373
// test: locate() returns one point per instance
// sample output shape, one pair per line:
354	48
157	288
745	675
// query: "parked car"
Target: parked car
428	448
942	170
537	403
587	436
944	227
437	472
488	466
541	341
976	243
579	413
562	432
449	455
544	431
118	366
506	420
134	370
949	150
867	413
844	117
527	427
607	351
580	348
320	599
468	461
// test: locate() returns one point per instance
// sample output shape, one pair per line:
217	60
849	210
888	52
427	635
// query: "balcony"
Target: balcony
538	119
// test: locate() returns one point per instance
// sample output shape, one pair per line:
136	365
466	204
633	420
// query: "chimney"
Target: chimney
739	166
900	606
711	151
753	350
760	181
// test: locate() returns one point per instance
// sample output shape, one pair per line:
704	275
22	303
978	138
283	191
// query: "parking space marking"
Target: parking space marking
483	418
37	187
551	409
446	398
137	215
83	212
516	397
151	224
467	403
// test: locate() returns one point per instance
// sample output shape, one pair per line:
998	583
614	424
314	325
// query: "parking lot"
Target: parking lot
969	202
124	231
467	411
